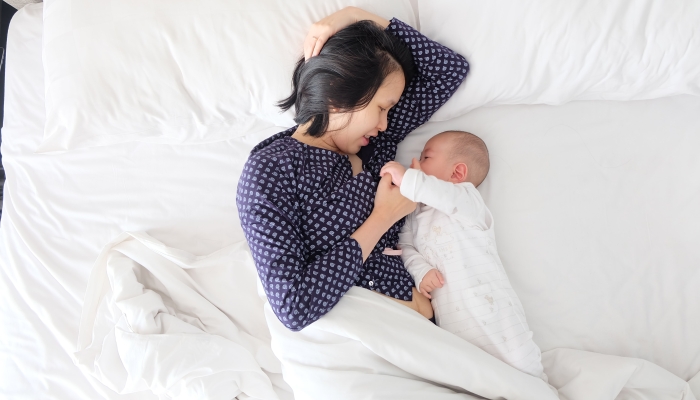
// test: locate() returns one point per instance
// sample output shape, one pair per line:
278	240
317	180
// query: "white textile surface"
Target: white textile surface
21	3
553	52
596	215
159	318
107	62
183	72
597	224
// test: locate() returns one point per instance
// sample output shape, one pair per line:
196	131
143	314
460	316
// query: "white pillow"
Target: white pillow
553	51
175	72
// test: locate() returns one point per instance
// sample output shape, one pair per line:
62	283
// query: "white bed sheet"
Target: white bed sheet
595	206
597	223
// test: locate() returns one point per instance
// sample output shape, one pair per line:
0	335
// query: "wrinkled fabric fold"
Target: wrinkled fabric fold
160	319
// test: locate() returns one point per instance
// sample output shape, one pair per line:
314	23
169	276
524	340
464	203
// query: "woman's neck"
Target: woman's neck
323	142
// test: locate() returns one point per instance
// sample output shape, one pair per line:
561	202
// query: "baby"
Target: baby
448	245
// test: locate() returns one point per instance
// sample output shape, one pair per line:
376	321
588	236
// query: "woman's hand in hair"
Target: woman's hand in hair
327	27
389	202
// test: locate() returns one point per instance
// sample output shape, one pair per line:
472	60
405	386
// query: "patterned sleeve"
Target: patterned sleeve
300	289
439	72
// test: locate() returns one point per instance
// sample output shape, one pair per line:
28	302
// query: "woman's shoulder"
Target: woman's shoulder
272	168
278	149
274	142
269	171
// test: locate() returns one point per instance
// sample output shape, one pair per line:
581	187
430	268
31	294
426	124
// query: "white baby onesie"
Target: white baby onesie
452	230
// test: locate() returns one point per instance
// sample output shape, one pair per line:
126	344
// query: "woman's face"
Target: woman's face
348	138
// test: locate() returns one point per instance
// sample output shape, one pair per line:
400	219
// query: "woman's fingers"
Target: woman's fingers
310	44
318	35
311	41
322	30
390	201
311	47
320	41
385	180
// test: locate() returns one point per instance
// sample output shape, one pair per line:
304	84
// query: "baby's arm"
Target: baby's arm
415	263
461	200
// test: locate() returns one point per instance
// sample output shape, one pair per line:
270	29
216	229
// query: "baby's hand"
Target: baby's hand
415	164
396	171
431	281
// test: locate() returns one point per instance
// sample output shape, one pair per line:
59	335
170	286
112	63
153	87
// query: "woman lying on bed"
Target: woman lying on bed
314	210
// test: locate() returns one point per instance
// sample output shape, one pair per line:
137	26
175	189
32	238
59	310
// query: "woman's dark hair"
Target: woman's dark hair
346	74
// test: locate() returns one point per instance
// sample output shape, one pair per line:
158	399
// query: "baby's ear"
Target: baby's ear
459	173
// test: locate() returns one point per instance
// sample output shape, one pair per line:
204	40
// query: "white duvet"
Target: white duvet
597	226
160	319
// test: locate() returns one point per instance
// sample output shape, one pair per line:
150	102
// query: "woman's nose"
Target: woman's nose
382	123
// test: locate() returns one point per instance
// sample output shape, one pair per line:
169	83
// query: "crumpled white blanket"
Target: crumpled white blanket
189	327
182	326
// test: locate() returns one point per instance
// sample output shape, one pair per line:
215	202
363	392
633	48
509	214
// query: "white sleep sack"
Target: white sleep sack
452	230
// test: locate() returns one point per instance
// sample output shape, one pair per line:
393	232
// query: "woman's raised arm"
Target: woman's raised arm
439	72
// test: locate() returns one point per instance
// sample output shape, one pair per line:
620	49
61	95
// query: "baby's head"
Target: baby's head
456	157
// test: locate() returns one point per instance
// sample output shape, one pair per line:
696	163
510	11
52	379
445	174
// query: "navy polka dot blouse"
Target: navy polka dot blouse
299	204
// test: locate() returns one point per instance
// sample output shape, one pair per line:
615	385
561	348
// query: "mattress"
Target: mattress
595	206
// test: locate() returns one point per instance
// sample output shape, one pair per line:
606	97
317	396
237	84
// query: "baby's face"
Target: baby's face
435	158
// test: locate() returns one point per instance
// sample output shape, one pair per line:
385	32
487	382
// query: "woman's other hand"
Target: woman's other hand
389	202
389	207
327	27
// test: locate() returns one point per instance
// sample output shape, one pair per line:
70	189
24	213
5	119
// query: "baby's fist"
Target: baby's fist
415	164
431	280
396	171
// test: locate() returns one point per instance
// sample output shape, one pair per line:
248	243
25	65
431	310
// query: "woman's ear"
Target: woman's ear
459	173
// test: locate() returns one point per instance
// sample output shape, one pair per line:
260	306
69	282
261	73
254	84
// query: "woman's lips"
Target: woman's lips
365	141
